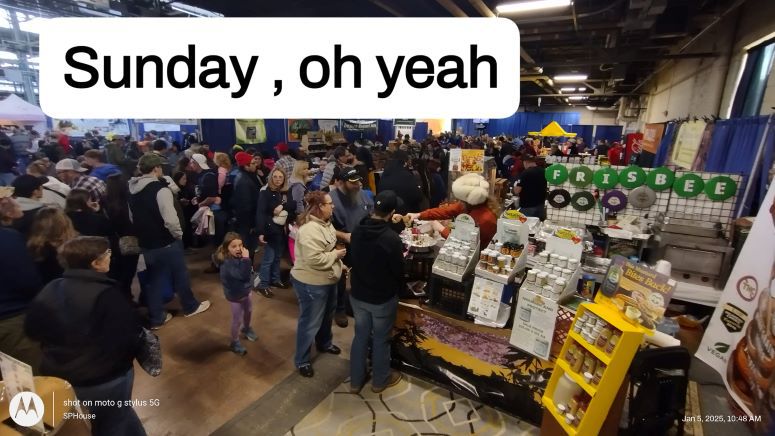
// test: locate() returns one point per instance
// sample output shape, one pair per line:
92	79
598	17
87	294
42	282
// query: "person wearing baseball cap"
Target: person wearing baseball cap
208	194
73	174
377	277
244	199
160	237
351	205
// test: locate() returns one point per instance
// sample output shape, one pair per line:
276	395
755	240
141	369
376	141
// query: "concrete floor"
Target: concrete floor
203	384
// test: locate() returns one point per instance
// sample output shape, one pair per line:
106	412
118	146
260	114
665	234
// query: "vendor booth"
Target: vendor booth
16	111
545	319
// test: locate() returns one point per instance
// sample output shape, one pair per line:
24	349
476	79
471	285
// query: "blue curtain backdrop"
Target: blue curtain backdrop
222	135
583	131
520	123
420	131
385	131
733	149
660	158
611	133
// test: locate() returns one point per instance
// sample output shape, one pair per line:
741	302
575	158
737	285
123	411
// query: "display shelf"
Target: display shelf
598	353
607	312
444	273
552	408
500	278
617	365
591	390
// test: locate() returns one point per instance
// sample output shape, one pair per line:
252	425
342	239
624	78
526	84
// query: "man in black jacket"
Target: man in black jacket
377	277
244	200
159	236
400	179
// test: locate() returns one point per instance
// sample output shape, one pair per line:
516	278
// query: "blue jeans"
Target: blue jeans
535	211
112	421
270	263
163	263
372	321
316	307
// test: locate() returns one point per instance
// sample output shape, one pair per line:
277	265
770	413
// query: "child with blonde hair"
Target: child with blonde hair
236	276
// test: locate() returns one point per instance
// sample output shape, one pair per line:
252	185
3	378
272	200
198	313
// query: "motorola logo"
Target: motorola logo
26	409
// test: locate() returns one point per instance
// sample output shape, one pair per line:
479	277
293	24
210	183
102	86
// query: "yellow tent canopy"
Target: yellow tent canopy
552	129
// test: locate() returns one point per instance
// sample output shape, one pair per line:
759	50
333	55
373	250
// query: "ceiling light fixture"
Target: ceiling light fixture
577	97
193	10
570	89
570	77
581	89
531	5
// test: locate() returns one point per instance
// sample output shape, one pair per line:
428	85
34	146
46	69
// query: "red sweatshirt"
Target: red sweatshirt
482	215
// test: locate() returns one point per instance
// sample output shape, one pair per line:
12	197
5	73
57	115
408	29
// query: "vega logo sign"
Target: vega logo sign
26	409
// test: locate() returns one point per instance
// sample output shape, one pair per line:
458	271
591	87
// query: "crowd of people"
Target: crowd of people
76	220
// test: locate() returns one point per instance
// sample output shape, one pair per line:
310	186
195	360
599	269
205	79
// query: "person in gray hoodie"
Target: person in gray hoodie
159	235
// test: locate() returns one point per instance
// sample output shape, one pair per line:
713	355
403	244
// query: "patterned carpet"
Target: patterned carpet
413	407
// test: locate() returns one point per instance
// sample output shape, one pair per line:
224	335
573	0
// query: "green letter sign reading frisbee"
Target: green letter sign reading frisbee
660	179
606	178
580	176
556	174
632	177
688	185
720	188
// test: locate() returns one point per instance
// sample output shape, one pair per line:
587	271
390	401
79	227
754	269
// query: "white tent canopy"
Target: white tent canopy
15	109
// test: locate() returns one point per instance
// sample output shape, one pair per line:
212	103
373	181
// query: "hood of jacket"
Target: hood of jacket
372	228
28	204
137	184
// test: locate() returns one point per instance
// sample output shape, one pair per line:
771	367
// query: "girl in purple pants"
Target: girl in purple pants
236	274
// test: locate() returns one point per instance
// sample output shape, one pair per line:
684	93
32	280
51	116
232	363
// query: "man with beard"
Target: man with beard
351	206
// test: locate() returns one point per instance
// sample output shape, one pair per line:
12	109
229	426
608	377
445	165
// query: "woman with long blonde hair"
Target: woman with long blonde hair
272	217
223	163
51	228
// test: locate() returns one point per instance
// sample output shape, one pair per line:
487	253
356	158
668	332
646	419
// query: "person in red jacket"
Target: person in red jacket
472	192
615	154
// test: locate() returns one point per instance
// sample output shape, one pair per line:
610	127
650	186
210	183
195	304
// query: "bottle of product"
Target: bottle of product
612	342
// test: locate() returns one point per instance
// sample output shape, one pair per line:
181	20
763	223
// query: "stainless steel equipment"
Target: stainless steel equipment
698	251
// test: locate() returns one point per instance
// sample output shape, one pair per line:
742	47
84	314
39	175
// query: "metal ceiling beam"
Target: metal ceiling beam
482	8
617	94
694	39
452	8
626	60
389	9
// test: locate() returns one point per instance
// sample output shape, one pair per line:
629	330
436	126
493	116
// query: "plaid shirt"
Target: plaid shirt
95	186
286	164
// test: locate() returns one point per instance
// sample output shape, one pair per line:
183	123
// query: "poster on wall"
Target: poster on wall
328	125
297	129
365	126
652	136
687	143
740	338
250	131
78	127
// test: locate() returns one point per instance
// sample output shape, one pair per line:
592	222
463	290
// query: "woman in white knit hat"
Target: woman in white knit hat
473	194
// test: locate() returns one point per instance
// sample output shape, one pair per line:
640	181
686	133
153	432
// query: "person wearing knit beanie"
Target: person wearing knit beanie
471	188
243	159
473	193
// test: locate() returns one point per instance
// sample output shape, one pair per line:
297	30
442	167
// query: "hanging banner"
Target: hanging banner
404	122
78	127
328	125
250	131
687	143
366	126
298	128
740	337
652	136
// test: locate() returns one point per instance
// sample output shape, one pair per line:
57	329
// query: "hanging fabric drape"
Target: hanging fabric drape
666	144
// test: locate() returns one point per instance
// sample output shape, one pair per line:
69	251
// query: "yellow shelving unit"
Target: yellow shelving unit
617	364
